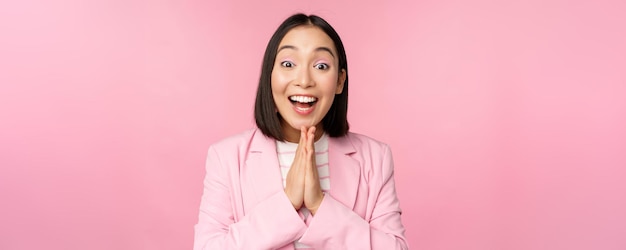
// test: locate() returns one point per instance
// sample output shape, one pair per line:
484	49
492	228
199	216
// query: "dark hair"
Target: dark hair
267	119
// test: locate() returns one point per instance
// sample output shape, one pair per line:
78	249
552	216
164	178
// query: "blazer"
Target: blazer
244	205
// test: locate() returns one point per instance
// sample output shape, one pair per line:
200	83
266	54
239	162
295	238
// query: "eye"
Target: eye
321	66
286	64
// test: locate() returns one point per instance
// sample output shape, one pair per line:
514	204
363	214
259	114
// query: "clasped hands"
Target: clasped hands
303	184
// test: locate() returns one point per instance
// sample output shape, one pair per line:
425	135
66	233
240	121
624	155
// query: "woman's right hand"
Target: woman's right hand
294	187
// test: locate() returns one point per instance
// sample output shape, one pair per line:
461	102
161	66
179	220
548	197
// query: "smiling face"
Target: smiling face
305	79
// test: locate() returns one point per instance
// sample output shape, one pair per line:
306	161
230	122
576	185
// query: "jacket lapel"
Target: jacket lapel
262	168
344	170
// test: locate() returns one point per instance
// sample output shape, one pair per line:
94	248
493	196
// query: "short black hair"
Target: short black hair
267	118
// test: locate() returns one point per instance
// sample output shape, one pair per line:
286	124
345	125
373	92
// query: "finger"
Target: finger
312	170
312	131
300	156
302	140
311	138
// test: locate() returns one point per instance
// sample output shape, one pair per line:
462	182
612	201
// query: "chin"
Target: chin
298	124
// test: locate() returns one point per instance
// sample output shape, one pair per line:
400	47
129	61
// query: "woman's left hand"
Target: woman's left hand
313	194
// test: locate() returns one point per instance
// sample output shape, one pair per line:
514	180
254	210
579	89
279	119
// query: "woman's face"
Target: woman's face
305	79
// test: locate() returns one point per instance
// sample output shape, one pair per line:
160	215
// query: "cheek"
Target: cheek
328	82
278	80
275	83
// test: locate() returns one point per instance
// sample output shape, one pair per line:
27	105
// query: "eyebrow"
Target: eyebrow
317	49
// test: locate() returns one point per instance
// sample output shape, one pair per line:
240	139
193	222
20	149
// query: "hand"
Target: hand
302	184
313	194
294	187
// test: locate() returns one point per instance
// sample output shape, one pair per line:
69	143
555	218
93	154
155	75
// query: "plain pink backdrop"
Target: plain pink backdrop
507	119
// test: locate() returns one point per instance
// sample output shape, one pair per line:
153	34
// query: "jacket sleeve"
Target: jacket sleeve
271	224
336	226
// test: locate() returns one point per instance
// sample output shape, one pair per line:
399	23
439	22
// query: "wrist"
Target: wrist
313	209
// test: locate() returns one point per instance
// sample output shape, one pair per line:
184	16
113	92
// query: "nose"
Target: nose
304	78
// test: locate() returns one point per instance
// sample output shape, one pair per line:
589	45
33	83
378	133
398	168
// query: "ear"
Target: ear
341	80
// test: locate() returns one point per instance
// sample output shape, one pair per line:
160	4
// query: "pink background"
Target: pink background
507	119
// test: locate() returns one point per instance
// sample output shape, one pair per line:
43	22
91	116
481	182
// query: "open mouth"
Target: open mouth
302	103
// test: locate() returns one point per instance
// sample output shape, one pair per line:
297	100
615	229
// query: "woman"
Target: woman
337	187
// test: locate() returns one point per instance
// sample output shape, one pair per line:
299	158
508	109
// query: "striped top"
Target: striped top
287	152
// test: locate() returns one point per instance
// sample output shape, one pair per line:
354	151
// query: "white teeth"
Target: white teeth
302	99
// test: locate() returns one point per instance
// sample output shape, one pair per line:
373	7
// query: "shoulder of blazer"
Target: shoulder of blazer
251	140
361	142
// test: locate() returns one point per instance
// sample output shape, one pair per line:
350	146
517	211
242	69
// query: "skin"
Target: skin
306	64
303	185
